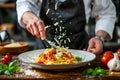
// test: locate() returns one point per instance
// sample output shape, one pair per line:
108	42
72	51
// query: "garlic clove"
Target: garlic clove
111	64
118	65
114	64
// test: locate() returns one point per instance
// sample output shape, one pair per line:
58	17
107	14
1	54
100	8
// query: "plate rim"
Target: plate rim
55	65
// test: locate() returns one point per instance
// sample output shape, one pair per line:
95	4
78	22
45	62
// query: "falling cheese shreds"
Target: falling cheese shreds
68	39
47	11
47	27
56	24
56	5
30	72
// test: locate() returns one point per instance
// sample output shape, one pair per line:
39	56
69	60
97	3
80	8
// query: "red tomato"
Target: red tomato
67	56
52	51
106	57
6	59
106	53
118	52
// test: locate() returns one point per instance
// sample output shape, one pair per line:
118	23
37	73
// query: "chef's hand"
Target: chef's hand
95	46
34	25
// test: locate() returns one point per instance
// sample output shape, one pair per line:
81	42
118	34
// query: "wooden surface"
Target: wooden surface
74	74
7	5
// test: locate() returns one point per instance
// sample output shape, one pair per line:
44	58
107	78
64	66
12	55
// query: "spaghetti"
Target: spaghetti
57	56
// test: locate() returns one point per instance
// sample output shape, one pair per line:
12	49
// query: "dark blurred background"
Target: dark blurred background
8	19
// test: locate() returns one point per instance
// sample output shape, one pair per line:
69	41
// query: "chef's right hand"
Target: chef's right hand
34	25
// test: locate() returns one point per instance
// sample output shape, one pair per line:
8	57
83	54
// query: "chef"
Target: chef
63	21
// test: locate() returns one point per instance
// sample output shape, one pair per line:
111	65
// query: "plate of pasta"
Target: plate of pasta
56	59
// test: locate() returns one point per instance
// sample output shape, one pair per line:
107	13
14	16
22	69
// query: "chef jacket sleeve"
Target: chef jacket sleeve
105	14
23	6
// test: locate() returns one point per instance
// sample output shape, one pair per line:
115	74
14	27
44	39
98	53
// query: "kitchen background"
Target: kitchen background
8	20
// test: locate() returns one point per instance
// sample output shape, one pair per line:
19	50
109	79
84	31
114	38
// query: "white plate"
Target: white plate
86	57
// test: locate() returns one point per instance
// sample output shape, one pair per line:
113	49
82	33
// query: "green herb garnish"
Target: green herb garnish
98	71
78	58
9	69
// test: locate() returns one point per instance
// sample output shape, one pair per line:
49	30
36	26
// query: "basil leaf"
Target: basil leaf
7	72
78	58
88	71
99	72
13	63
3	67
1	71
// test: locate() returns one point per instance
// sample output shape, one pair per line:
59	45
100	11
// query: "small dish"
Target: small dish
13	47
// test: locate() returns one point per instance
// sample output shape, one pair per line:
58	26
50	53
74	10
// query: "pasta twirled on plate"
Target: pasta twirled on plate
57	56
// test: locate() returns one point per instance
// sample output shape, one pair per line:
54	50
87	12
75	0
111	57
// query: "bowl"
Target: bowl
13	48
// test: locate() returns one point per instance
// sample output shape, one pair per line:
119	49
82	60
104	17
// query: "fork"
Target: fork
49	44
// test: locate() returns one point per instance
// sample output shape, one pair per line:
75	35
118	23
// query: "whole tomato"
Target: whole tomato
6	59
118	52
107	55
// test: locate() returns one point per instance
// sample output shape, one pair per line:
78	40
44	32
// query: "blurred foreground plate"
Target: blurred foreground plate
26	57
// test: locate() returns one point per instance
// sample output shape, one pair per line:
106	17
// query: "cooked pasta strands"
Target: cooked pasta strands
59	56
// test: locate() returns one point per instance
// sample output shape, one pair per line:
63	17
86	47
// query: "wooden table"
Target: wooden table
74	74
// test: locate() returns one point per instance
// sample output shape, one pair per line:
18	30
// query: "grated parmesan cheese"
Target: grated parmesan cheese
13	45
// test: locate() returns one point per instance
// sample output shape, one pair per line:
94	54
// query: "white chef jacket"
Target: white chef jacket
103	11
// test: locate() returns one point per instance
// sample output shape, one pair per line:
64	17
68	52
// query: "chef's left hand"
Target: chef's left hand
95	46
